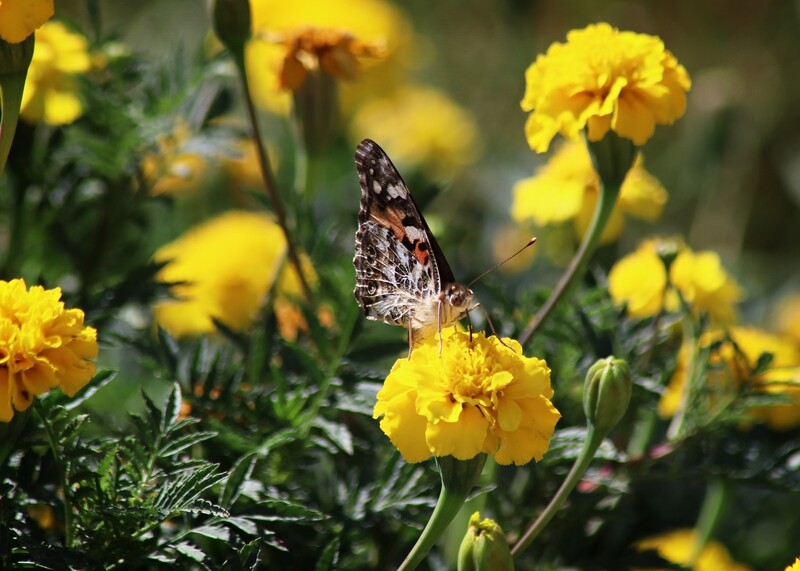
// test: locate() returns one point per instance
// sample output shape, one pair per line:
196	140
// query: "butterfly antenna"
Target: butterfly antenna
531	242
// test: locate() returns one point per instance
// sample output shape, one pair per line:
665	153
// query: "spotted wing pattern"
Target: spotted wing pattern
399	266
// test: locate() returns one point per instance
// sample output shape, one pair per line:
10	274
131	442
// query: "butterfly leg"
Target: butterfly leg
410	339
489	321
439	325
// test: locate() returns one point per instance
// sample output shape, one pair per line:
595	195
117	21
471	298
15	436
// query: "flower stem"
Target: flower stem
710	513
269	178
577	266
612	158
60	469
590	445
458	479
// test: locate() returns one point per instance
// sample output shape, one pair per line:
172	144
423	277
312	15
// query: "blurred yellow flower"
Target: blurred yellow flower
292	38
794	566
679	546
50	94
781	377
229	265
42	346
640	281
174	168
477	396
603	79
420	127
567	187
19	18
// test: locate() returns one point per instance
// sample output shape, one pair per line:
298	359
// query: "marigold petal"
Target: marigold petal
462	439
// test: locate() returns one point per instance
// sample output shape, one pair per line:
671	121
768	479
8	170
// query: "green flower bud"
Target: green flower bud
484	547
607	393
230	20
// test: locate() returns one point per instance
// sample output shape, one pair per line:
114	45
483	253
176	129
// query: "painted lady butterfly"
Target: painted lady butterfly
402	276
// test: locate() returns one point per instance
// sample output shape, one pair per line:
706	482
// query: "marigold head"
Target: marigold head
42	346
334	36
421	127
567	188
226	268
479	395
640	280
51	94
733	365
19	19
602	79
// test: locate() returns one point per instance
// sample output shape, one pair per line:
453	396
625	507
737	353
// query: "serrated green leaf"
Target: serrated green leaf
181	443
238	475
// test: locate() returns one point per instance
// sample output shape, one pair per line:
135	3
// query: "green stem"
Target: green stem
269	178
612	158
60	469
710	513
577	267
11	86
590	445
458	479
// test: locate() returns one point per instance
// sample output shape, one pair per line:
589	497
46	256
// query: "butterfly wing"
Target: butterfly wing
398	263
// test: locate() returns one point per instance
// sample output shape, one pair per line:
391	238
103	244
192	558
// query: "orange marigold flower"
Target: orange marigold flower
679	547
567	188
19	18
603	79
42	346
478	395
640	281
335	36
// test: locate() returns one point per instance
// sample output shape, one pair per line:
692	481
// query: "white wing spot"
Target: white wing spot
376	187
396	190
414	234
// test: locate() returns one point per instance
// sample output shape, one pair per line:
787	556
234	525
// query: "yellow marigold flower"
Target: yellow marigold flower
292	38
567	187
42	346
477	396
603	79
640	280
50	94
781	377
229	265
421	127
794	566
678	547
19	18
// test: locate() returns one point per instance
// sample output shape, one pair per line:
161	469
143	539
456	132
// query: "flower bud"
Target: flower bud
607	393
230	20
484	547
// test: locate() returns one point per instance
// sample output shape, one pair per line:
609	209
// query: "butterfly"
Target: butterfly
402	276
